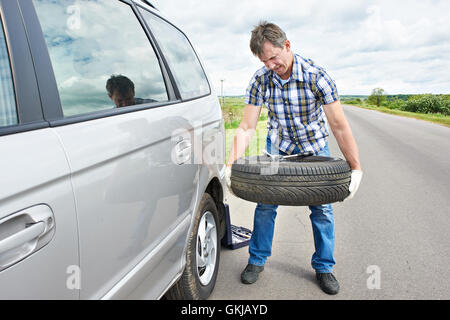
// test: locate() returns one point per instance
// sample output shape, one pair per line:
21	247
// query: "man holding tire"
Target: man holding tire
301	98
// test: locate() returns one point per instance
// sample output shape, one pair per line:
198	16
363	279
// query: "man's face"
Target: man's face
277	59
122	100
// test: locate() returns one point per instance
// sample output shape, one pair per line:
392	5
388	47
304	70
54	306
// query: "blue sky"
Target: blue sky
402	46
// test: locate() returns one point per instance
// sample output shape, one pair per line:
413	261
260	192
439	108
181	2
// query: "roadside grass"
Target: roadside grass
431	117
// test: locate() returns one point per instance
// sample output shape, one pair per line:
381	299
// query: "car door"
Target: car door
132	189
38	226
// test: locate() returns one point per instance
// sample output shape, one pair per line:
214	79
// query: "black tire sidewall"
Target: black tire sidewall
313	180
201	291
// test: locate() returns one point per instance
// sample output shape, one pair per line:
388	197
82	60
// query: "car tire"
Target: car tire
202	255
297	181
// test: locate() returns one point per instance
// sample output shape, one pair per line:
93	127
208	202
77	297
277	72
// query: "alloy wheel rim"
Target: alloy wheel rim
206	248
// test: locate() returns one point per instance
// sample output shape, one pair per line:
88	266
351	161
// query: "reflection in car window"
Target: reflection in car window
8	112
188	72
91	41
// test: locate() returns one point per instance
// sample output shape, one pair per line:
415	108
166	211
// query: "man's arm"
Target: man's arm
343	134
244	133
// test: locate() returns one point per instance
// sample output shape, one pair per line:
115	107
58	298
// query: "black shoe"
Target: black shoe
250	273
327	283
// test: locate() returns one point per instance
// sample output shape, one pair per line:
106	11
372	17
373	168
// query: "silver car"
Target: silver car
111	155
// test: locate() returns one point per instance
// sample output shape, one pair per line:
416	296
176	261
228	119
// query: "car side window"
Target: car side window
8	110
186	68
101	56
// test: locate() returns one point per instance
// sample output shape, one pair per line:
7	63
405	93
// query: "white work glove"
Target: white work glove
355	180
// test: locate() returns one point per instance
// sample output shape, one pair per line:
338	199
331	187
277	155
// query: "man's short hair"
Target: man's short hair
120	84
266	31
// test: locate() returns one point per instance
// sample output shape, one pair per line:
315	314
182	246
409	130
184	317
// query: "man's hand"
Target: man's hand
356	177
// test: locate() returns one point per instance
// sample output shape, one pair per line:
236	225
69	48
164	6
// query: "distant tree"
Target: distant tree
377	97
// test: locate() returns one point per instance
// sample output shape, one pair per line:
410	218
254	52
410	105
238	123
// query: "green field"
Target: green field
257	144
232	111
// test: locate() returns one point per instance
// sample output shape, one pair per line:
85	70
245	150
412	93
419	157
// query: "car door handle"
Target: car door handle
22	237
25	232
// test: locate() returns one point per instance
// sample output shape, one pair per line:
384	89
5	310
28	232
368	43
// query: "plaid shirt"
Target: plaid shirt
296	116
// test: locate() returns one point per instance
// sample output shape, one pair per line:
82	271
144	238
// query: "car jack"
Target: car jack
235	237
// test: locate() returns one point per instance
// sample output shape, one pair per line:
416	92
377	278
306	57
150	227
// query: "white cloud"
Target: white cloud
401	46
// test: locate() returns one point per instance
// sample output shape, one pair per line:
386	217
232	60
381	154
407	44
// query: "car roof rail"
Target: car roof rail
150	4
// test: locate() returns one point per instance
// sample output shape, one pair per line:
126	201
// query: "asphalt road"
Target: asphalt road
392	239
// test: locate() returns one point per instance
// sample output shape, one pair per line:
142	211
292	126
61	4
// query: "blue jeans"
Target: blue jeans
322	221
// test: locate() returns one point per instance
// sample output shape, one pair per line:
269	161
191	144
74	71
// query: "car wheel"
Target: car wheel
296	181
202	255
